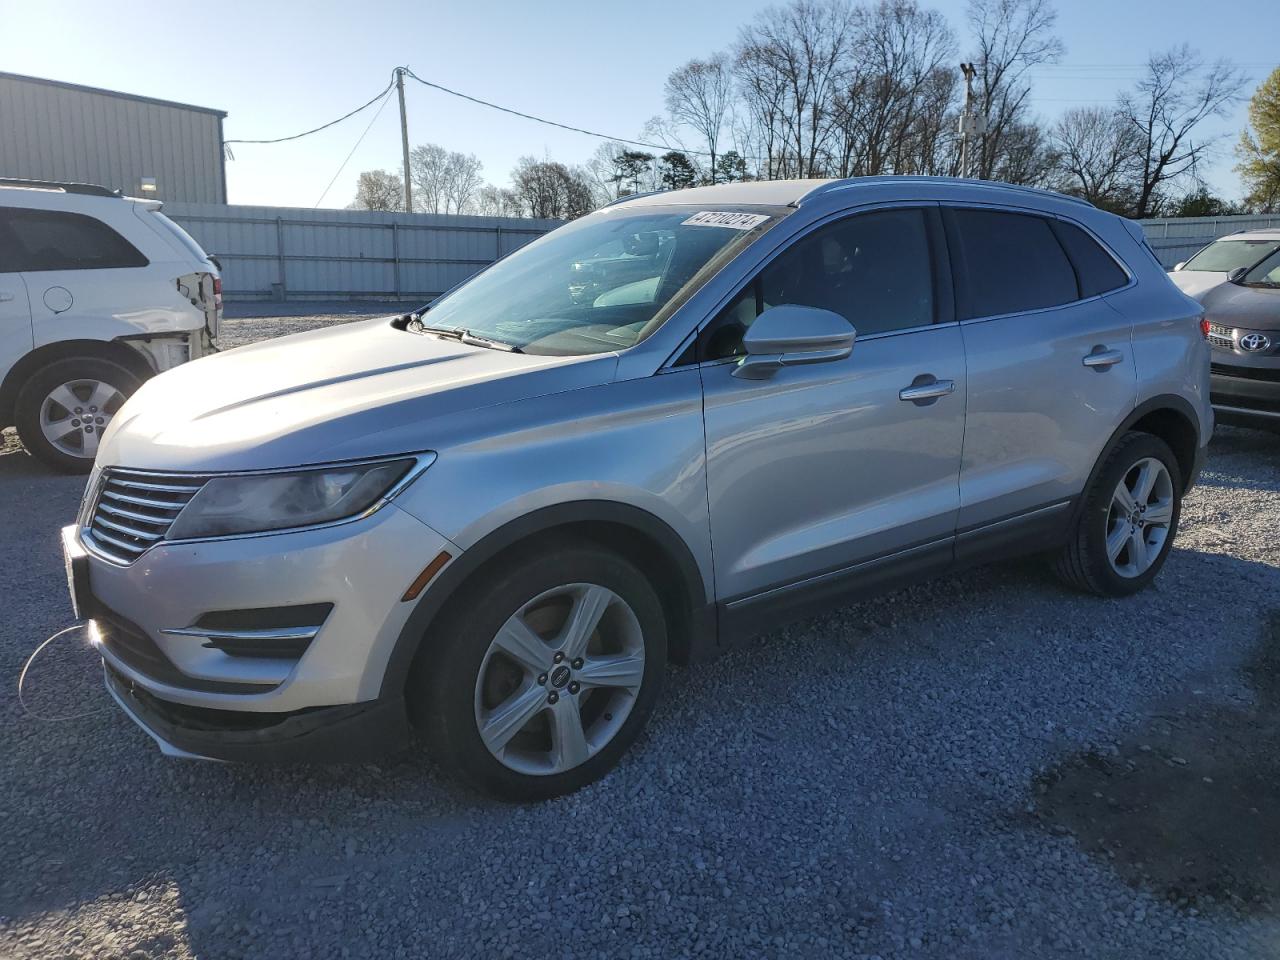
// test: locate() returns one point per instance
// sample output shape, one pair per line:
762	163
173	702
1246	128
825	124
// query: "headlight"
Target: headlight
258	503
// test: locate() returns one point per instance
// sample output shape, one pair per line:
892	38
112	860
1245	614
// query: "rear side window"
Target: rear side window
34	240
1096	270
1007	263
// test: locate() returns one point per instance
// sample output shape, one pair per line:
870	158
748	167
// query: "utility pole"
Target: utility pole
968	126
404	141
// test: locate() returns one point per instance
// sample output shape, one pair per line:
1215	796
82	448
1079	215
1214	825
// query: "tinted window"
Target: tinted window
34	240
1096	270
873	269
1008	263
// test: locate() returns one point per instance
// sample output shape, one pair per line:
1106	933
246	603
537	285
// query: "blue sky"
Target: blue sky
281	67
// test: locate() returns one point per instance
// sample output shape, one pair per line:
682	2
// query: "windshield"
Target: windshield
601	283
1227	255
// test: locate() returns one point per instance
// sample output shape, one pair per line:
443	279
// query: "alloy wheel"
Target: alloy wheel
73	416
560	678
1139	517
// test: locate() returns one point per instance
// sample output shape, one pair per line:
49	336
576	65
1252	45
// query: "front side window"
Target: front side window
874	269
1225	256
601	283
35	240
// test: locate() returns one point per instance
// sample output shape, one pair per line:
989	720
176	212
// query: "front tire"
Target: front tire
1128	520
541	674
64	407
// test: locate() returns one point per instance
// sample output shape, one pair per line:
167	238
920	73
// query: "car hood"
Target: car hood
1196	283
1256	308
359	390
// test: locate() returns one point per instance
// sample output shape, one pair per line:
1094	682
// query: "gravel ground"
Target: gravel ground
984	766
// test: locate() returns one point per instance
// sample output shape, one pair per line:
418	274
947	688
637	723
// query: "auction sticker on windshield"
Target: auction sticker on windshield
734	221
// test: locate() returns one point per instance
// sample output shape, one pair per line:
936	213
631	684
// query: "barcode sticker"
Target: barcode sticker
724	218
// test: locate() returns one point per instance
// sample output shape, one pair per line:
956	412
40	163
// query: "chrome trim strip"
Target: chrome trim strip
92	545
130	547
273	633
1247	411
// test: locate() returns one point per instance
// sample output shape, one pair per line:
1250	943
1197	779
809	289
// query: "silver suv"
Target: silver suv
641	438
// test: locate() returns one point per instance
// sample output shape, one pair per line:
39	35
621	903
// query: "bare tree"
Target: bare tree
492	201
894	103
1097	150
1012	37
698	96
379	190
793	59
444	181
1179	92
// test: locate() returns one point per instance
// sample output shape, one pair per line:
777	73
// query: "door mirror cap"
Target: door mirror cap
1179	265
788	335
1238	274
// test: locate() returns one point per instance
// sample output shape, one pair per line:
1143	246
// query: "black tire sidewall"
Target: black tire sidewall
1131	448
34	392
444	676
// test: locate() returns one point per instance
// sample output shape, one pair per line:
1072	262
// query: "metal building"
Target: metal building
145	147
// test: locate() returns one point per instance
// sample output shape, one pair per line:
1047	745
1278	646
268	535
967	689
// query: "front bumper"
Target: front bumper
353	733
1242	393
148	615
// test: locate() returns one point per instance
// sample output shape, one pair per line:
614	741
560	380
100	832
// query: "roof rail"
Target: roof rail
967	181
88	189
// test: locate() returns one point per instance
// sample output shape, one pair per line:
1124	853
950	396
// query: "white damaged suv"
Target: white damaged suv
98	292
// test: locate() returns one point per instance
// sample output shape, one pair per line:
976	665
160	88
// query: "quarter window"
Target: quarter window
1007	263
34	240
1096	270
874	269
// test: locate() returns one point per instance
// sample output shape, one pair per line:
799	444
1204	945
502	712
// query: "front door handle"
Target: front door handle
926	389
1102	359
5	297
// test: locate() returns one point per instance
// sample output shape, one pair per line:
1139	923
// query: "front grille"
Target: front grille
1221	337
134	510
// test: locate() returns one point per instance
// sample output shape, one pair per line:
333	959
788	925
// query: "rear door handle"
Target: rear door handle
928	390
1102	358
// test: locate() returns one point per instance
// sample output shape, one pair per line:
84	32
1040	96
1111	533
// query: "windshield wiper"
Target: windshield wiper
462	335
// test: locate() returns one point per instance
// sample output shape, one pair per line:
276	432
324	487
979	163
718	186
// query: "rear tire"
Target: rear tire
1128	520
63	408
541	672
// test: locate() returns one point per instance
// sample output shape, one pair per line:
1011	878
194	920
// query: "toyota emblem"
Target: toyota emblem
1253	342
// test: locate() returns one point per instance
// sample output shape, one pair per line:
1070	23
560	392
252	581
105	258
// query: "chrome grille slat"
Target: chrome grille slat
143	501
116	511
124	528
133	511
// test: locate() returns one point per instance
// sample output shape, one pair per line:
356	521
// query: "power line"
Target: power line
325	126
386	98
552	123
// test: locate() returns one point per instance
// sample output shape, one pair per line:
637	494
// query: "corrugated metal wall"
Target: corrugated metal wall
1176	240
299	254
54	131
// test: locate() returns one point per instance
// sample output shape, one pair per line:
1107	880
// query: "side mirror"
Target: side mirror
788	335
1179	265
1238	274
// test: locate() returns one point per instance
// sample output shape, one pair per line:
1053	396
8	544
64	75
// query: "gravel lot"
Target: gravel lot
985	766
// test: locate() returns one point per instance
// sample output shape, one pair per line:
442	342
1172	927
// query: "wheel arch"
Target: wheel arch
1172	419
644	539
30	364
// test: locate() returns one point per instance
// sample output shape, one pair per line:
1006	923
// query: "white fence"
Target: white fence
1175	240
287	253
